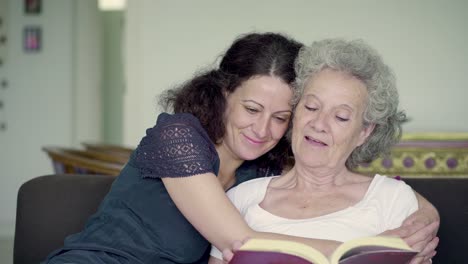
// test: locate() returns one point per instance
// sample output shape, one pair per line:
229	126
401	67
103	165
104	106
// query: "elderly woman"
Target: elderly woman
347	114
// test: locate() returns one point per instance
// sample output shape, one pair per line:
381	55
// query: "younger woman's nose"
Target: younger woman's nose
261	127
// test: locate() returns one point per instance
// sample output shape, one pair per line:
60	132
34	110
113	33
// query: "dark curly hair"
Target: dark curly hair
253	54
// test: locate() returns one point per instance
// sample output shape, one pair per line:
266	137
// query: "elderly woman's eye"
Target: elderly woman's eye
342	119
311	108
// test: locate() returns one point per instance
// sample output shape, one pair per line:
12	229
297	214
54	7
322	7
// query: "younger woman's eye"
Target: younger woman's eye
251	110
282	119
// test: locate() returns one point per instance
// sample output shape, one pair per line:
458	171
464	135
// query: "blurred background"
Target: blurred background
74	71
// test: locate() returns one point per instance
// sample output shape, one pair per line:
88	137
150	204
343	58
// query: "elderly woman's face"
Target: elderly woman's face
328	123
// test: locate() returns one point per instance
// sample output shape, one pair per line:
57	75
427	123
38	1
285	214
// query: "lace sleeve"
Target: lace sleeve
177	146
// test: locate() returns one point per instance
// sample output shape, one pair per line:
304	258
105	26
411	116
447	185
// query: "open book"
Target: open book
378	249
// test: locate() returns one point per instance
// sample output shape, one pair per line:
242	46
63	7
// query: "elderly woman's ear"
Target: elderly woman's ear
365	133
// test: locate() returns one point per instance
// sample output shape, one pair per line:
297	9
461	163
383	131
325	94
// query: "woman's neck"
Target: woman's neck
316	178
228	167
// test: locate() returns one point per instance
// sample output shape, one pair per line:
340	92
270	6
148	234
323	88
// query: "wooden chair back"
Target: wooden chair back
117	158
109	148
75	162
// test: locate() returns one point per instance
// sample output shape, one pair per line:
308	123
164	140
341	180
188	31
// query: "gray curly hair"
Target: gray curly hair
358	59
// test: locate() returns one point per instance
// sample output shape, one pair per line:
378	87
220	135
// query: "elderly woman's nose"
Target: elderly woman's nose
319	122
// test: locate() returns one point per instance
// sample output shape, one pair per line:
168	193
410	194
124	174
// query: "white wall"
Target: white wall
87	70
53	95
425	42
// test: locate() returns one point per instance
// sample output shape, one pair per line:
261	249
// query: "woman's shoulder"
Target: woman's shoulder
249	192
384	191
179	118
251	186
385	185
255	183
387	180
175	143
180	125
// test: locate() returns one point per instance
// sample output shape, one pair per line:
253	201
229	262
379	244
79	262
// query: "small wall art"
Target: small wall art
32	38
32	7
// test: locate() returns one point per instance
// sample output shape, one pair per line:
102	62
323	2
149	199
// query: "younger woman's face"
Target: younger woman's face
256	117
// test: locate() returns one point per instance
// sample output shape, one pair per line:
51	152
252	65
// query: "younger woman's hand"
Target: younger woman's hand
228	253
420	237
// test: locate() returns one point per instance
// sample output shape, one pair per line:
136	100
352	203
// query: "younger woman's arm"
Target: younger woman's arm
202	200
419	230
179	152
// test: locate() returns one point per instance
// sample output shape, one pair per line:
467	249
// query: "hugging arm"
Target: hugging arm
190	180
419	230
424	239
202	200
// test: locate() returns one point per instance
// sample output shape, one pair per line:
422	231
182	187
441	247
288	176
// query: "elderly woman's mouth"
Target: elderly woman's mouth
315	141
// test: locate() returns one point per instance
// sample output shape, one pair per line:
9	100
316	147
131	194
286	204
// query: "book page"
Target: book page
381	257
369	244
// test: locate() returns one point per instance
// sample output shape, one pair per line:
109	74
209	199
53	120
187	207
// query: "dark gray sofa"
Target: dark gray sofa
450	197
54	206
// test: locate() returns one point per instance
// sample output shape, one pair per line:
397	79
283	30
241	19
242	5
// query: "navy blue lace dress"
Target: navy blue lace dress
137	221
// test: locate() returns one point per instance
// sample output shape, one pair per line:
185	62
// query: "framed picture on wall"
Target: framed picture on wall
32	39
32	7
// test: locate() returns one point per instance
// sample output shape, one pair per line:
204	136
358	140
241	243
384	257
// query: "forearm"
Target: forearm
427	209
419	229
205	205
203	202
